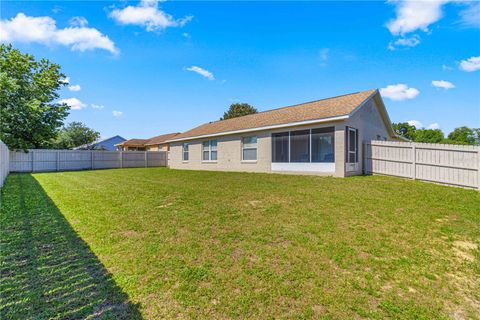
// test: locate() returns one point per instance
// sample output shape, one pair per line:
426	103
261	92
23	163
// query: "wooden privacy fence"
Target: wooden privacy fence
457	165
40	160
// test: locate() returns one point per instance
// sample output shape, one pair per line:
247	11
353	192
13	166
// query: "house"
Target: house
322	137
157	143
105	144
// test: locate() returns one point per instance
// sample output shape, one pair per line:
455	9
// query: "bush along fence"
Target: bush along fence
456	165
41	160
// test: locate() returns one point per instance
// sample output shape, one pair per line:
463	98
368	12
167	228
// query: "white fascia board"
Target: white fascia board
277	126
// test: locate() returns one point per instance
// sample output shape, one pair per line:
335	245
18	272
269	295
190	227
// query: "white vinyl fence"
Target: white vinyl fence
4	162
457	165
40	160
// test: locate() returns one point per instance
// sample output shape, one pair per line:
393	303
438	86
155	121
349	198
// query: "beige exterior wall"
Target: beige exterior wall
370	126
151	148
157	147
230	152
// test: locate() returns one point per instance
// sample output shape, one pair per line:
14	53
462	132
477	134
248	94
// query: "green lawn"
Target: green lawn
157	243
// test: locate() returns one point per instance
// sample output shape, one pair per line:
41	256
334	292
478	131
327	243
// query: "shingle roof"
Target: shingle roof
148	142
320	109
161	138
133	142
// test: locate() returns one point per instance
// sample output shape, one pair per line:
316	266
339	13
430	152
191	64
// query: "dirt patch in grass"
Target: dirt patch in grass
464	249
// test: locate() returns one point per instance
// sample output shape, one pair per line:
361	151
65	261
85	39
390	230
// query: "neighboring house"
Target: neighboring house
132	145
320	137
157	143
105	144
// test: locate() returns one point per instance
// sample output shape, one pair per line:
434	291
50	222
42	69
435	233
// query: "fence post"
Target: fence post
33	160
57	164
92	160
121	159
478	168
146	159
414	155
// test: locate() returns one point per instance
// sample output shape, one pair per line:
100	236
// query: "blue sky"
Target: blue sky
147	68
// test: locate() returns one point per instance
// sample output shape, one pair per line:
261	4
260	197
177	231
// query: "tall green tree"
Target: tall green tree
429	136
29	117
74	135
238	110
405	130
464	135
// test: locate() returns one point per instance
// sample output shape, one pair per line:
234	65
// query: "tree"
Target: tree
463	135
405	130
238	110
429	136
28	116
74	135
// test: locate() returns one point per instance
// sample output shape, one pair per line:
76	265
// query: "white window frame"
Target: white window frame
210	150
185	149
355	151
250	148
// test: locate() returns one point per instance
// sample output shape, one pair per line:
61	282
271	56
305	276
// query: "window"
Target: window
352	145
185	152
209	150
300	146
280	150
323	141
249	148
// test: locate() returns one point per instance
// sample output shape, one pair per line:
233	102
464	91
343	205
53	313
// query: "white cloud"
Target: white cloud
43	30
147	14
74	103
470	64
399	92
417	124
57	9
75	87
205	73
443	84
78	22
405	42
324	56
97	106
446	68
471	15
117	114
413	15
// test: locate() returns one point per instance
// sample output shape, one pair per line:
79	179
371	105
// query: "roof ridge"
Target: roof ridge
294	105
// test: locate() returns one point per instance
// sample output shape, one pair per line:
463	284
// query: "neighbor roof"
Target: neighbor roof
133	142
321	109
99	142
148	142
160	139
